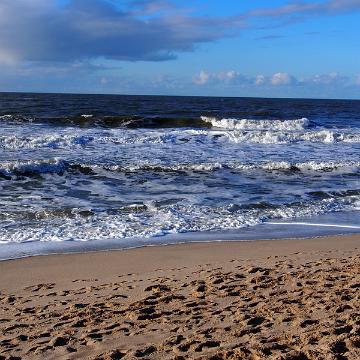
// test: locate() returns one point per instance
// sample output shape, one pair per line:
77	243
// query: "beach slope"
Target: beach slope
283	299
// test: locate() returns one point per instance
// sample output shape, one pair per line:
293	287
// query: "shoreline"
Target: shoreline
271	231
278	299
254	249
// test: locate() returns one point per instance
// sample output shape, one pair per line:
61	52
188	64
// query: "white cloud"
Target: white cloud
332	78
260	80
324	79
280	79
202	78
227	77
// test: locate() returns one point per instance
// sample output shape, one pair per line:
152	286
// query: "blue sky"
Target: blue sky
223	48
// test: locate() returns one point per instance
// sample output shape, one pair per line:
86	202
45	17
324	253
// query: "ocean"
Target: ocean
83	172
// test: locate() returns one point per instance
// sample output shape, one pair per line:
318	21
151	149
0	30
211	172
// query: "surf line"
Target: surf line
314	224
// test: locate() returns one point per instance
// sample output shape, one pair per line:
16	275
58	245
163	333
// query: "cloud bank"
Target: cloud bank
279	79
306	8
147	30
205	77
70	45
39	30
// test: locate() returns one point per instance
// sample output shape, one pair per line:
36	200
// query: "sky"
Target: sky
260	48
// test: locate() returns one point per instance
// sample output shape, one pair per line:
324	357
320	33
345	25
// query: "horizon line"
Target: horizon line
172	95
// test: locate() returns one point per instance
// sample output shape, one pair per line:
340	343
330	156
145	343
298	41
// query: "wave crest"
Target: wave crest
249	124
32	167
84	225
58	166
51	141
279	137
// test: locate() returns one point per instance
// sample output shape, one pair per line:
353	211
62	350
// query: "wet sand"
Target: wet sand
283	299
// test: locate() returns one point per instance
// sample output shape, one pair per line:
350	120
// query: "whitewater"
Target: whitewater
117	171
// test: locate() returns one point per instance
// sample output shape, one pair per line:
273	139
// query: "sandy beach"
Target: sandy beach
284	299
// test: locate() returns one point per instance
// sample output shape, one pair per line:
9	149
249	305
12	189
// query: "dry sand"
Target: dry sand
285	299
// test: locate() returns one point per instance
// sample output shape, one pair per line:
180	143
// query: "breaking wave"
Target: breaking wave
78	167
278	137
59	166
150	220
249	124
125	137
51	141
346	166
32	167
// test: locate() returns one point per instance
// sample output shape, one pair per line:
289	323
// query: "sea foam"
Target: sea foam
249	124
60	166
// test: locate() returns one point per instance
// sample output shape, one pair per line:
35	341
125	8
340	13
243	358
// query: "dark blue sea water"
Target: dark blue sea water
98	171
